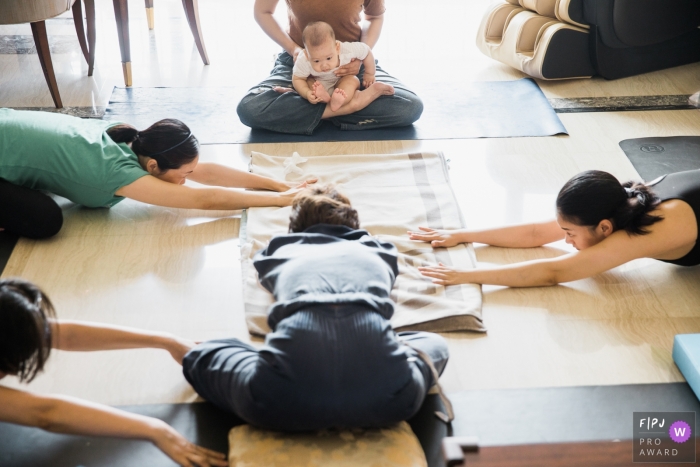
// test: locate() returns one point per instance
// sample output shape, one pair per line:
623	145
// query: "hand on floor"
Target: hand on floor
436	238
443	275
186	454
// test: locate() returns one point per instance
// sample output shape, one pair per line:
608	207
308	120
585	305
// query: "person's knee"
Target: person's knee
246	110
412	108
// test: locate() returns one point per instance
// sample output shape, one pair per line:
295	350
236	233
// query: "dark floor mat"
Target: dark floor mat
496	417
7	244
557	415
201	423
653	157
489	109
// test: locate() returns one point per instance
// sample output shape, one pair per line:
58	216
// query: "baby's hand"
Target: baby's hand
368	79
311	97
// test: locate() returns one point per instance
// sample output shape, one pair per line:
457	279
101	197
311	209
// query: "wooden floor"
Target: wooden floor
178	270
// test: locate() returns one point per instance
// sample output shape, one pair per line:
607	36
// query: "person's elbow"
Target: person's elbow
44	414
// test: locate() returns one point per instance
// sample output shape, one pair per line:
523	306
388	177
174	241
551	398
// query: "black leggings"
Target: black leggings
28	213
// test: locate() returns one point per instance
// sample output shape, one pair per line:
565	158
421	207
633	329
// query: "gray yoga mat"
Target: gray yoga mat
653	157
489	109
496	417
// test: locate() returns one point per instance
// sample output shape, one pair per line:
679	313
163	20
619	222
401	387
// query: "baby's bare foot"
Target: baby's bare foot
383	89
338	99
321	92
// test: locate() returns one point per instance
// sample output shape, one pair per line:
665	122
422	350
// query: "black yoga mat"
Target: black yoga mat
653	157
489	109
201	423
496	417
557	415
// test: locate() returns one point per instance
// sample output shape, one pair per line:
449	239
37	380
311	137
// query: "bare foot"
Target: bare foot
282	90
382	89
321	92
338	99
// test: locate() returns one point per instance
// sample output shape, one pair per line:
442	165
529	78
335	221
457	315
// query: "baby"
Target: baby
314	71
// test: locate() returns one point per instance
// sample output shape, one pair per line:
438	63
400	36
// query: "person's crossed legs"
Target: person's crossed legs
287	112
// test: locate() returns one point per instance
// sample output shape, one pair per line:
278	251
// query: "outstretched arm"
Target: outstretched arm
516	236
151	190
85	336
617	249
73	416
209	173
263	11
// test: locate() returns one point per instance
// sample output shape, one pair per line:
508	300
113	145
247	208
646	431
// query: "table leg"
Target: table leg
41	41
121	14
149	14
192	13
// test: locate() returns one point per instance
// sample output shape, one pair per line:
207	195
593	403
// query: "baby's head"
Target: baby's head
320	46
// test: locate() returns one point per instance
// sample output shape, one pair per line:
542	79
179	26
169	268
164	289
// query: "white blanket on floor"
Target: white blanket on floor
393	193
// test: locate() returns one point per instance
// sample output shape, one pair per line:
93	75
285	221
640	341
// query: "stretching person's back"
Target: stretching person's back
333	359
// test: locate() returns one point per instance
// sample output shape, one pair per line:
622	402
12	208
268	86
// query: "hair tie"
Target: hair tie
189	135
137	136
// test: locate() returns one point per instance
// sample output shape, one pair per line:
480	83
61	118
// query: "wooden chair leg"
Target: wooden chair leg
192	13
88	47
41	41
149	14
121	14
91	33
79	28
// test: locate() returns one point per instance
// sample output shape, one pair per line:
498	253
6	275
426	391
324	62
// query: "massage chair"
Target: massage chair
559	39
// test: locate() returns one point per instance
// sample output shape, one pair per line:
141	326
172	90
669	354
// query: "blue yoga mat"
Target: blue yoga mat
487	109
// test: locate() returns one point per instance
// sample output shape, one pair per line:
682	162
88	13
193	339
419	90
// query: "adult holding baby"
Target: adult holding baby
270	106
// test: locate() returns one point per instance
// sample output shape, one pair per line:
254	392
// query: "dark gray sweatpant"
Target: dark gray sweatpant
333	366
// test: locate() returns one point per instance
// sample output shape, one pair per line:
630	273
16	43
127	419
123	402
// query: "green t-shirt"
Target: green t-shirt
68	156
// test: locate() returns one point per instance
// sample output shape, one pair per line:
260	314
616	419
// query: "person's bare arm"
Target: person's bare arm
617	249
516	236
370	70
372	29
208	173
86	336
151	190
73	416
263	11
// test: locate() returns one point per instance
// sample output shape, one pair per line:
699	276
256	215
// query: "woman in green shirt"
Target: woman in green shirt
97	164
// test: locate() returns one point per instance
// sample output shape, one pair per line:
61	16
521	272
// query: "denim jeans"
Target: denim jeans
339	367
263	108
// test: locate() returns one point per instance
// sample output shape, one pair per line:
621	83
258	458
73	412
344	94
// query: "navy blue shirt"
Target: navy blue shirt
327	264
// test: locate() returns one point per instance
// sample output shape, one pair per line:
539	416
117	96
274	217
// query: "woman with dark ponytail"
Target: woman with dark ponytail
609	223
97	164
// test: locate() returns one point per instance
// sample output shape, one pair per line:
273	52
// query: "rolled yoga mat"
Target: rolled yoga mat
487	109
653	157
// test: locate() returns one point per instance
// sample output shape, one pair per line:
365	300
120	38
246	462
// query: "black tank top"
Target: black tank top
686	187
